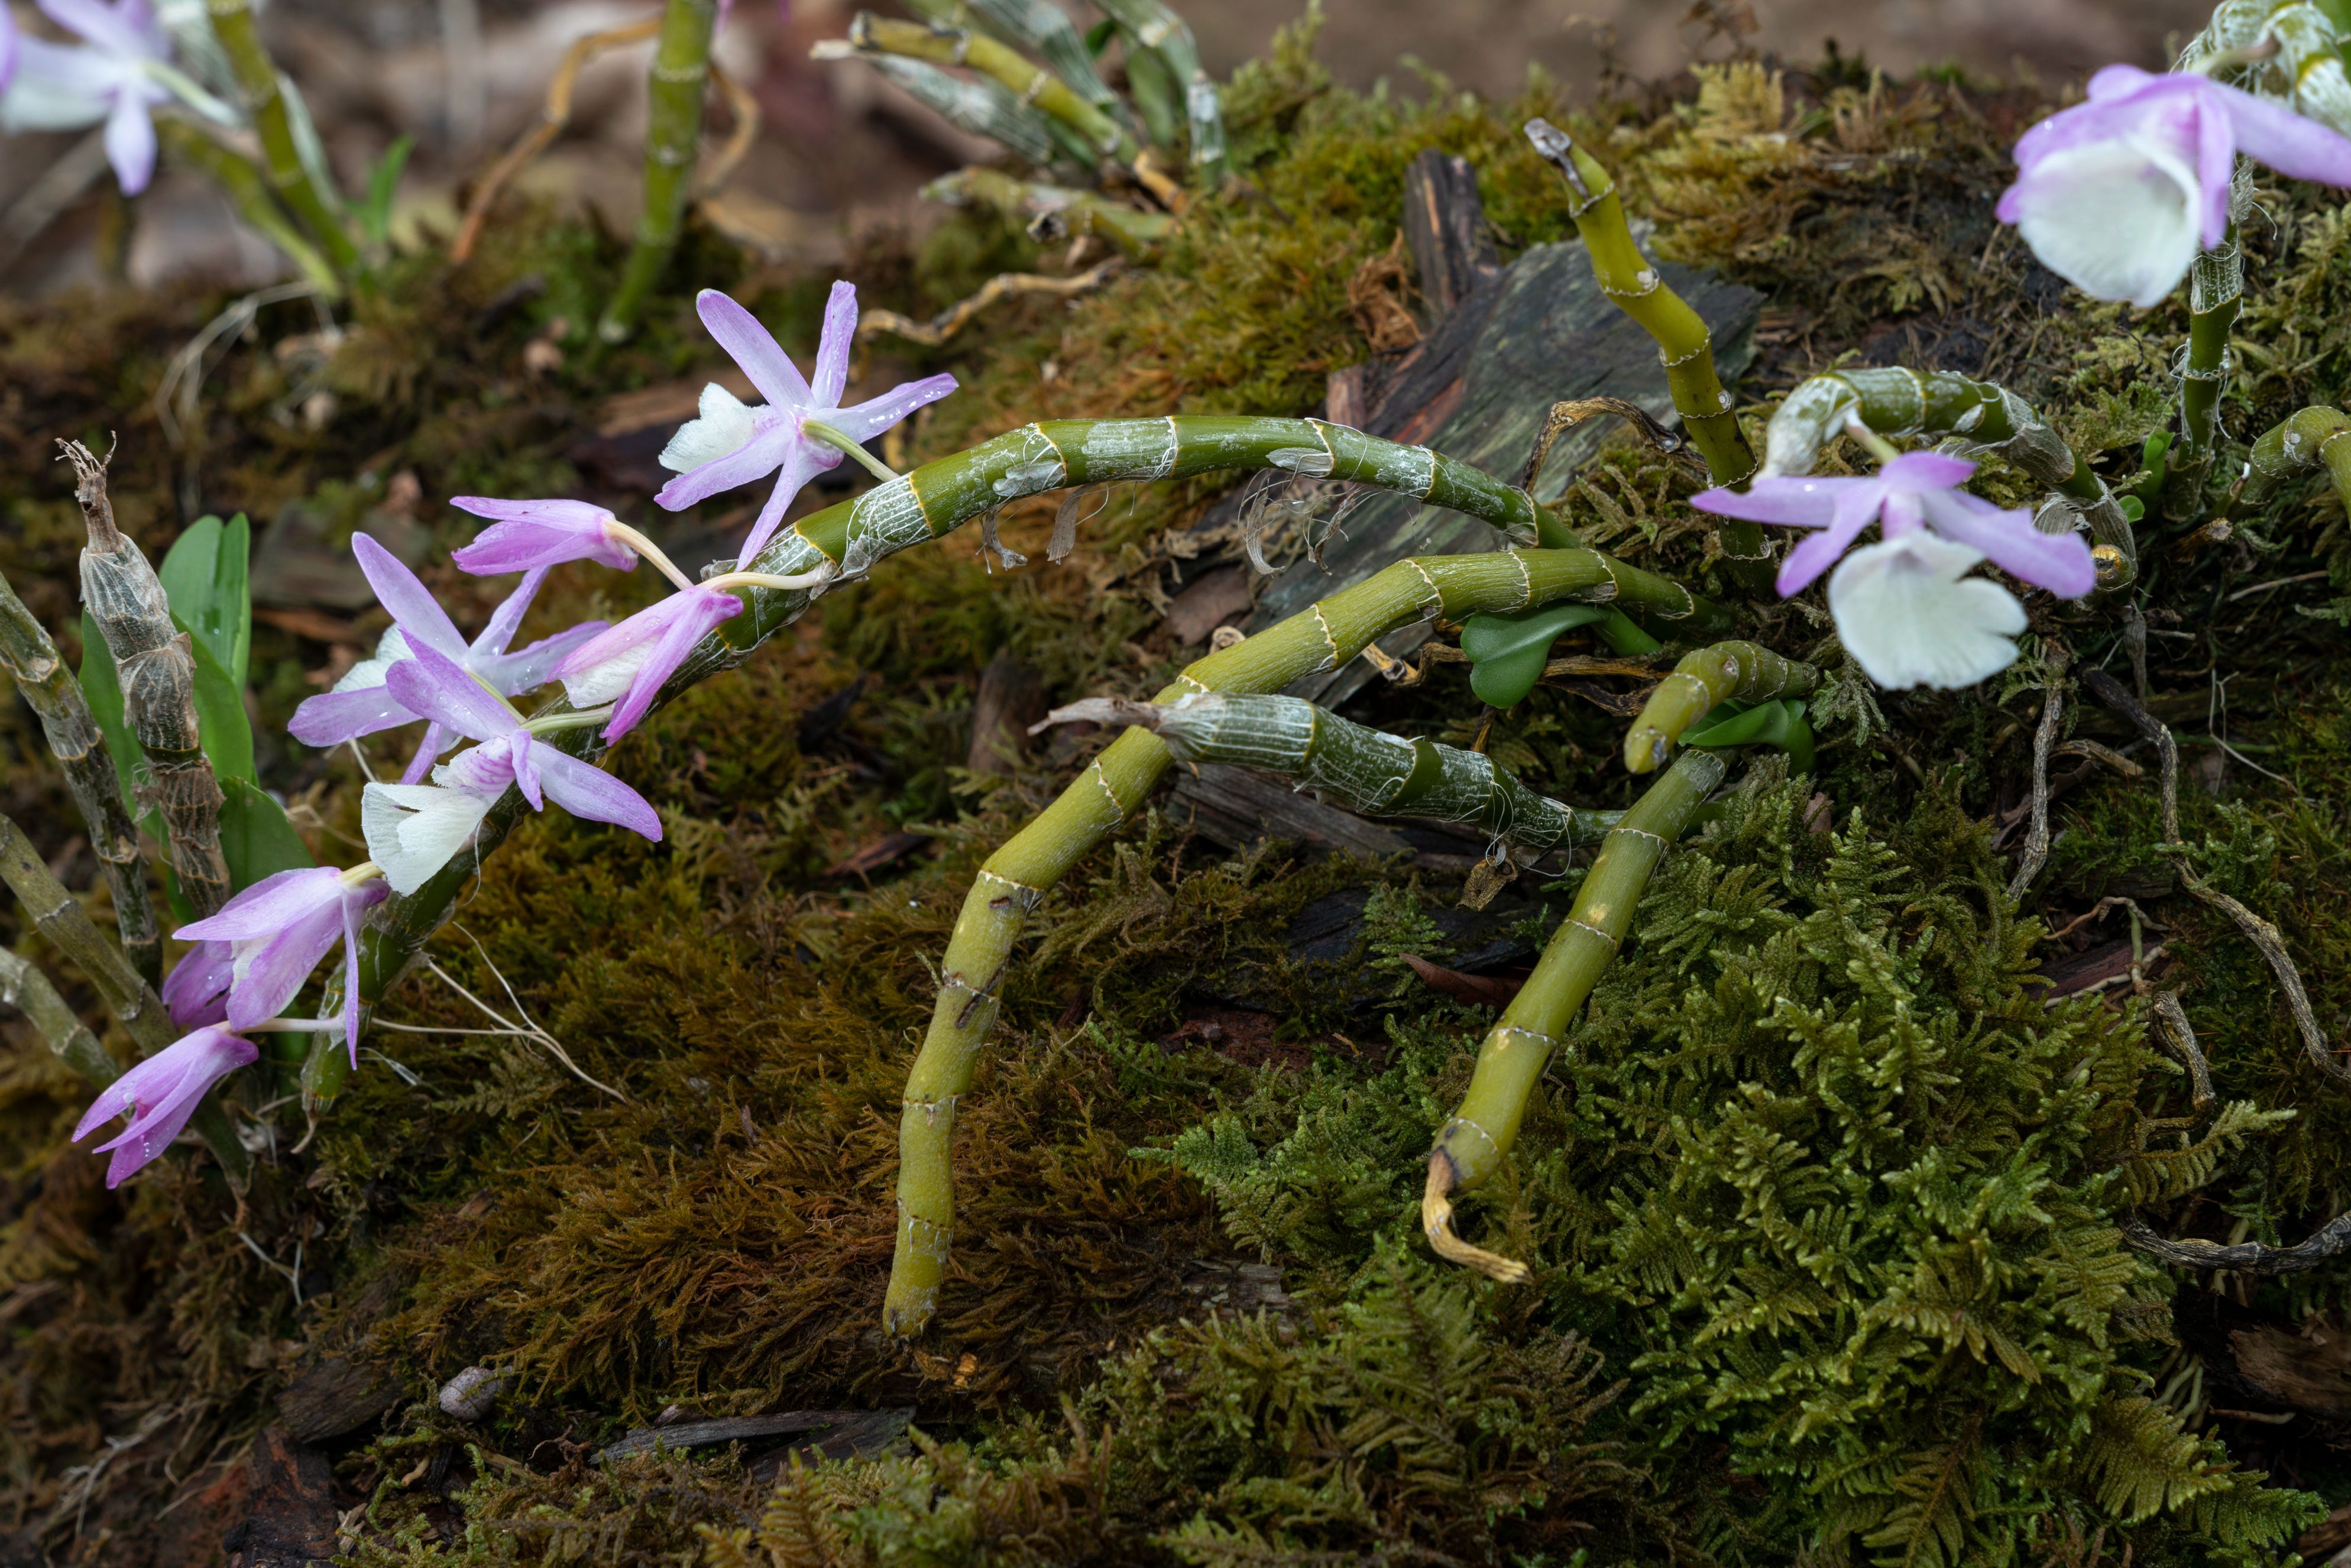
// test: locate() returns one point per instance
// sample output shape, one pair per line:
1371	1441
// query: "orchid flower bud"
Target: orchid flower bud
160	1094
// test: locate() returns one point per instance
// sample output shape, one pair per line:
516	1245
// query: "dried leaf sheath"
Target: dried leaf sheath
1473	1144
1350	764
123	595
74	739
1015	878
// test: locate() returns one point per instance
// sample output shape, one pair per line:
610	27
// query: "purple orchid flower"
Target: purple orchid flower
735	443
278	929
8	48
629	664
530	536
2117	195
443	691
361	702
1903	608
116	76
195	993
160	1094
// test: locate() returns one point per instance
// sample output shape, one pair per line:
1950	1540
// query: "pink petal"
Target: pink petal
2119	81
268	905
506	619
870	418
800	467
755	460
331	719
706	608
523	753
273	969
529	534
753	347
2058	562
131	143
411	602
194	992
428	752
2297	148
1797	503
442	690
116	32
1926	471
833	346
531	667
595	796
1815	553
2216	168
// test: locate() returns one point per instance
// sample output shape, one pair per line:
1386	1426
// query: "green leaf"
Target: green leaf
1780	723
256	840
227	734
1507	652
101	687
1616	628
374	212
205	577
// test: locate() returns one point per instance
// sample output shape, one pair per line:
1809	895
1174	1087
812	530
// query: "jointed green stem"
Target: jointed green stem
1030	82
130	1000
680	72
245	185
1723	672
1062	211
1016	877
319	211
75	740
1933	404
1037	24
2295	445
1472	1145
25	988
2216	294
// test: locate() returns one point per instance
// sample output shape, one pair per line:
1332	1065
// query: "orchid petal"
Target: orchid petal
412	604
753	347
414	830
2058	562
706	608
506	619
1800	502
2298	147
1909	619
195	992
2119	219
529	668
753	461
800	467
595	796
131	143
868	419
331	719
523	752
531	534
59	87
833	346
1815	553
443	690
268	906
115	32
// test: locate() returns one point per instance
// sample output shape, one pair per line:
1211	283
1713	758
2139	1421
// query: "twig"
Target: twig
25	988
2036	837
2258	930
131	999
950	321
551	123
75	739
159	695
2241	1257
2173	1018
1565	416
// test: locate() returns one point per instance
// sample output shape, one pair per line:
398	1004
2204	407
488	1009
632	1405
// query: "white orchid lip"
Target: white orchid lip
2118	219
414	830
726	426
1909	616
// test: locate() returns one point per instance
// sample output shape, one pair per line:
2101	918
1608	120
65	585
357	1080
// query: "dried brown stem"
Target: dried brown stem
2258	930
2175	1028
130	1000
1565	416
74	739
948	322
2036	837
123	595
1436	1224
2242	1257
25	988
551	122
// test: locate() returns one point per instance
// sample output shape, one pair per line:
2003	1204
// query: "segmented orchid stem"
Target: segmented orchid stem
1726	672
1028	81
1929	405
1052	212
1472	1145
318	209
2216	295
1350	764
2294	446
1037	24
1323	637
248	188
681	73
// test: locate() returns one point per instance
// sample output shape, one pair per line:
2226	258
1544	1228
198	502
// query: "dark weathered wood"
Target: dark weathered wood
336	1397
291	1522
1011	697
1208	603
1444	229
852	1432
1235	807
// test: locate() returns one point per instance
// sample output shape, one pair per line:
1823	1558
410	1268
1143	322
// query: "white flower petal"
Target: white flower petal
412	830
601	684
725	427
390	649
2118	219
1909	619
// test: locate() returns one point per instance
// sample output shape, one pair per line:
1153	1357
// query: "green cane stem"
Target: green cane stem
1472	1145
25	988
1057	210
74	739
1726	672
1685	342
1350	764
1932	405
1323	637
132	1001
2294	446
847	539
1037	24
319	211
2216	295
249	188
681	73
1030	82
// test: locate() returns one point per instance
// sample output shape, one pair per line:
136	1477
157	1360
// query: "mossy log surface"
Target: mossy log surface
1819	1193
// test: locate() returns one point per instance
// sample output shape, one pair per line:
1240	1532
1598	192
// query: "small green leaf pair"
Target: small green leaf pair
205	578
2153	460
1780	723
1508	653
